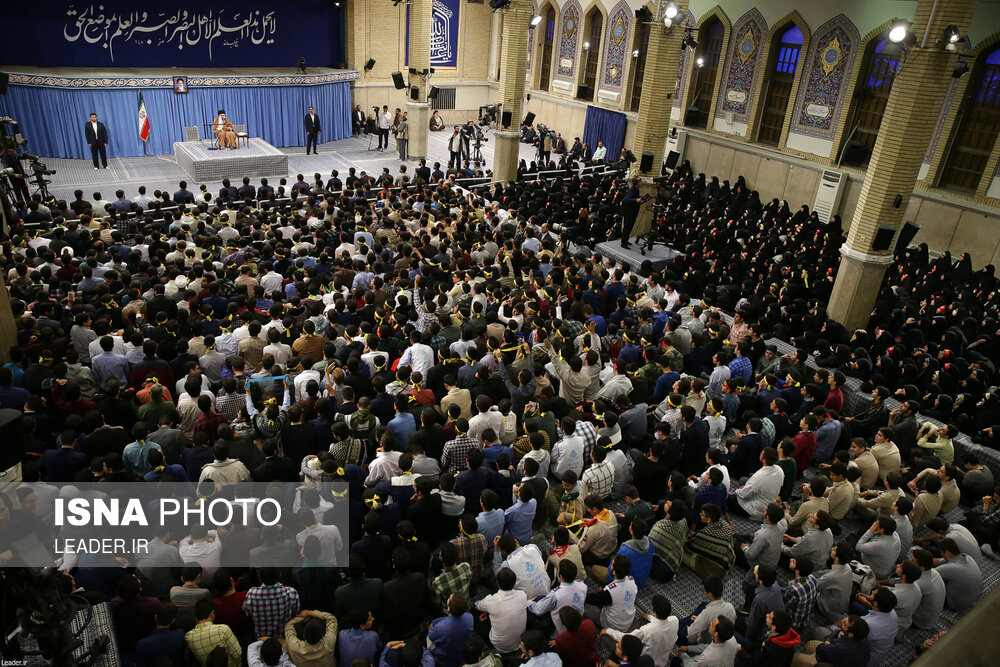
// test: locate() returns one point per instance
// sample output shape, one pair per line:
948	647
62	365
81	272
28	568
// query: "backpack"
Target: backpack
864	577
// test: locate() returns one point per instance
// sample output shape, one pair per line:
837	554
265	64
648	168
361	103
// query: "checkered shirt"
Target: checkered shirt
455	452
203	639
741	366
271	607
586	430
472	550
229	405
800	598
455	580
599	478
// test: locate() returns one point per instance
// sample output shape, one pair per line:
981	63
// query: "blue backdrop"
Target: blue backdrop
172	33
52	119
607	126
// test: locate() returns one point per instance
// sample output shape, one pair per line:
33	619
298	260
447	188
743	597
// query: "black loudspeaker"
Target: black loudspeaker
672	159
585	92
646	163
433	92
529	118
397	80
629	156
370	65
855	153
506	118
691	116
906	235
10	430
4	80
414	93
643	14
883	237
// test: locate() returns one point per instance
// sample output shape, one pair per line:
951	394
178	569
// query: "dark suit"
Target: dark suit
97	142
424	173
586	154
312	131
359	120
264	192
630	211
246	191
184	197
227	194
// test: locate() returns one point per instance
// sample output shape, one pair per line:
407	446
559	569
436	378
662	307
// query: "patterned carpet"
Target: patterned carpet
685	591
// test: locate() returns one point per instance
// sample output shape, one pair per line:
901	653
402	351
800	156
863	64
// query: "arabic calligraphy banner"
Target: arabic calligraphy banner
444	33
187	33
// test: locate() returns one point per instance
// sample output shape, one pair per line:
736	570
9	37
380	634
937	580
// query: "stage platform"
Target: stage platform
203	161
657	256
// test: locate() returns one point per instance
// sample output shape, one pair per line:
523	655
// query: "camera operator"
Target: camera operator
468	133
17	179
630	211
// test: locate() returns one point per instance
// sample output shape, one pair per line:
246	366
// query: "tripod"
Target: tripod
477	154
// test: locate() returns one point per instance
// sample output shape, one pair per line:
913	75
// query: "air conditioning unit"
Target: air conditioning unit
828	194
673	152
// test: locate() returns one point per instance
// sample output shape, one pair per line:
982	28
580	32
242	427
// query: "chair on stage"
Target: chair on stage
241	133
192	133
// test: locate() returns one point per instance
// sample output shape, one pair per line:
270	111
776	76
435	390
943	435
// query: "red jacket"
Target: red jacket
577	647
805	447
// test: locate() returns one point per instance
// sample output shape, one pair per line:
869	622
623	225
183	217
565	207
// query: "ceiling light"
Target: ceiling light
951	34
671	10
667	23
700	62
586	45
535	20
635	54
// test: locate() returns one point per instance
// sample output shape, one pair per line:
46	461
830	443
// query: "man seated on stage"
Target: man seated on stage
437	123
223	129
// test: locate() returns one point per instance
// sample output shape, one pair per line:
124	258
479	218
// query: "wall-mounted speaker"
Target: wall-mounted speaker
506	118
370	65
585	92
397	80
906	235
529	118
646	163
433	93
883	237
629	156
671	161
414	93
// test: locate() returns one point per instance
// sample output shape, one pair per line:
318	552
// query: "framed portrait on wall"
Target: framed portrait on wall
180	84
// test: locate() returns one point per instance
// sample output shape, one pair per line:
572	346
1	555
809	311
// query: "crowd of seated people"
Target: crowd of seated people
535	437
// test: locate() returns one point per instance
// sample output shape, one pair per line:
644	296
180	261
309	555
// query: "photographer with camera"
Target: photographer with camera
16	177
544	144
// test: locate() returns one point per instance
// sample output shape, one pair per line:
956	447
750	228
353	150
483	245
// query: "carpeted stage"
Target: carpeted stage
657	256
205	162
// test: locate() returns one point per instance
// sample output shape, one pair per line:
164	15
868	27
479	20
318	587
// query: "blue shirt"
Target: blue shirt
136	456
449	634
491	526
602	324
493	451
354	643
882	628
14	397
110	365
163	641
664	385
518	518
403	426
742	367
827	436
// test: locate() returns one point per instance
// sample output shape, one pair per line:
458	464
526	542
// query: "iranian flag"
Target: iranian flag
143	120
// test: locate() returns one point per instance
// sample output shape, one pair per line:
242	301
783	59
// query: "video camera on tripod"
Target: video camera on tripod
488	114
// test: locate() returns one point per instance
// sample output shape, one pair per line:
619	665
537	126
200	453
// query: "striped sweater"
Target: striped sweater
714	542
668	542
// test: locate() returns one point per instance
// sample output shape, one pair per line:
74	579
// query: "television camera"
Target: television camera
488	114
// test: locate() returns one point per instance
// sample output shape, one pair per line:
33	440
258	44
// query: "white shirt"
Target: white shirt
600	152
658	638
620	614
93	124
418	357
567	454
508	612
383	468
384	120
529	566
572	594
760	490
208	554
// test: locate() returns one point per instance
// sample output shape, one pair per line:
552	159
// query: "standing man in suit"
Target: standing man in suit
630	211
183	196
312	130
358	120
97	139
455	149
423	171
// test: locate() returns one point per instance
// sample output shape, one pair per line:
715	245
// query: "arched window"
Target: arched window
870	99
545	72
706	67
591	55
976	128
641	44
779	76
